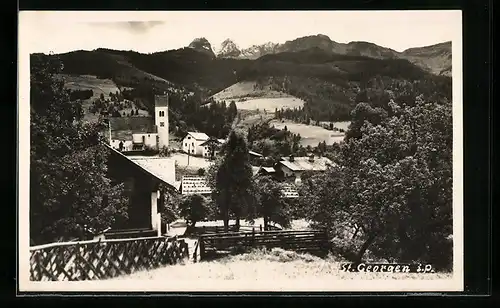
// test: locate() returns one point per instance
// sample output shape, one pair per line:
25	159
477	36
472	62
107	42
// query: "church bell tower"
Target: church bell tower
161	119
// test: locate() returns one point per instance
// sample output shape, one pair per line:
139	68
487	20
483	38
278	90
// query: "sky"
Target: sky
146	32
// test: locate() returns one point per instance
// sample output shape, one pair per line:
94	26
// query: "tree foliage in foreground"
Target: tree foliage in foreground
393	188
69	189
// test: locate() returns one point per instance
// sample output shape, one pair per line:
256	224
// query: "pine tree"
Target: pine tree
231	180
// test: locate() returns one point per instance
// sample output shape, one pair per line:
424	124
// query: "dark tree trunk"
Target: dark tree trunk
237	222
266	222
226	221
371	238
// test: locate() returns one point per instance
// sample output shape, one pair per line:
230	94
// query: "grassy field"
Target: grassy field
248	97
269	104
341	125
261	265
311	135
98	86
246	89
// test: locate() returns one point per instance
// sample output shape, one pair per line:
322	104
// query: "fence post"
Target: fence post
253	237
202	248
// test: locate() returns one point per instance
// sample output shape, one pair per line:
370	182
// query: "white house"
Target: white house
192	143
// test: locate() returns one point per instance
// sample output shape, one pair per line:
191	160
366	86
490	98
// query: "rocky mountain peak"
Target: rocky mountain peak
202	45
229	49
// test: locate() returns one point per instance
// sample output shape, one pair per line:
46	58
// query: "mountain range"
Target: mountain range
330	77
435	59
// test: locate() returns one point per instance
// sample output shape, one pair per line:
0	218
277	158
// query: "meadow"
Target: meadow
310	134
275	265
246	89
98	87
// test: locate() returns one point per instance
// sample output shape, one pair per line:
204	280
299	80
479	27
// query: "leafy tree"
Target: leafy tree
272	205
193	208
201	172
101	96
395	184
364	112
69	188
231	180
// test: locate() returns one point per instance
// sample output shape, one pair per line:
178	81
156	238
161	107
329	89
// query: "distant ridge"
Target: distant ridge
432	58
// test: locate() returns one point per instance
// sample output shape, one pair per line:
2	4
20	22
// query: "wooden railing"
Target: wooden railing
91	260
314	242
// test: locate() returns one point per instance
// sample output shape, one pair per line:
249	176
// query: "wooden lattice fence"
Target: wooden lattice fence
91	260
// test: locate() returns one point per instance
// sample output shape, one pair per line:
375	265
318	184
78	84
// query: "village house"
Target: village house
211	147
148	183
266	171
292	168
192	143
141	133
256	159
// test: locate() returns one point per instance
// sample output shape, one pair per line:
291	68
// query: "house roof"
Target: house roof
210	140
160	176
194	185
123	127
304	163
268	169
198	136
254	153
163	168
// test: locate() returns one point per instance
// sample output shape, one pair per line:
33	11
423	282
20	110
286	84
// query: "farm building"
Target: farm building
140	133
266	171
148	182
192	143
255	158
293	167
211	147
191	185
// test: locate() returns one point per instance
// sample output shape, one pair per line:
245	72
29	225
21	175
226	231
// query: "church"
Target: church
132	134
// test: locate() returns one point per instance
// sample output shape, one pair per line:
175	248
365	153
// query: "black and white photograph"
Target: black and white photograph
185	151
